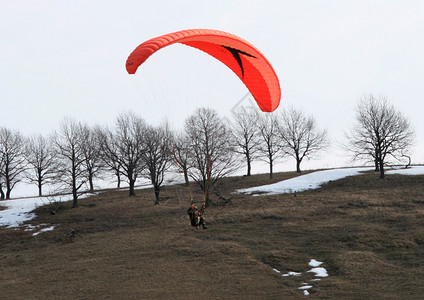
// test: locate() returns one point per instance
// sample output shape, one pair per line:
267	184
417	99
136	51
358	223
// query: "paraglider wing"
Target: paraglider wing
244	59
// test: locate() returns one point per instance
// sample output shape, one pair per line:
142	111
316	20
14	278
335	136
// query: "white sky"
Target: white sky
67	58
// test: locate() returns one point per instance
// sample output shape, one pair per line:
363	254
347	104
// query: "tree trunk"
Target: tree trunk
132	183
381	169
74	183
119	179
409	161
270	169
74	197
2	196
40	184
157	191
186	176
376	162
298	166
249	164
90	181
8	189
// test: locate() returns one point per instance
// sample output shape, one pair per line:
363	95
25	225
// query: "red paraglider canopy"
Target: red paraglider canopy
249	64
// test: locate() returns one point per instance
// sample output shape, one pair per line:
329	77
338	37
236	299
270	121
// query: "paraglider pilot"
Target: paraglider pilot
196	216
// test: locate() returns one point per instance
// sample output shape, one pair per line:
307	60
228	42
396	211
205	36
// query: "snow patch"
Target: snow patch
18	211
317	179
305	287
304	182
291	274
319	272
315	263
43	230
416	170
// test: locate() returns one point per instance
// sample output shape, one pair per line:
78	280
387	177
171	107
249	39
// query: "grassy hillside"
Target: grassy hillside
369	234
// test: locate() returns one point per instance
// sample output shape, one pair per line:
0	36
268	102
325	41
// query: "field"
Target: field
368	232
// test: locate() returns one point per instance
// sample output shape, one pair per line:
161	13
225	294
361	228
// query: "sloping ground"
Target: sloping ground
367	232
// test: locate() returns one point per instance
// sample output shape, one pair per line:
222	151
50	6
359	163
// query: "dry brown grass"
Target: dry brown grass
368	232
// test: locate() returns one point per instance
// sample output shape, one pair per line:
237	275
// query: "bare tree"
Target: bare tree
380	134
91	152
68	143
108	152
2	194
123	147
157	156
245	134
300	136
181	152
268	147
41	161
12	150
211	153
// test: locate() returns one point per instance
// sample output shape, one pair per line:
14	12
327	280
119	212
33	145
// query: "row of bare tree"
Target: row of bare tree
208	148
272	136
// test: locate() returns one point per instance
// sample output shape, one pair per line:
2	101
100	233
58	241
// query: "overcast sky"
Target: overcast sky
67	58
